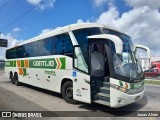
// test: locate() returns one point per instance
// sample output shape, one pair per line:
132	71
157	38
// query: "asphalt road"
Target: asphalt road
29	98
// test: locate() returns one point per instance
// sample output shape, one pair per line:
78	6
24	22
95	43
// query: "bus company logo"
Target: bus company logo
52	63
44	63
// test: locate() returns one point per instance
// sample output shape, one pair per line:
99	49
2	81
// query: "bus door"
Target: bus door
97	59
98	62
81	82
99	69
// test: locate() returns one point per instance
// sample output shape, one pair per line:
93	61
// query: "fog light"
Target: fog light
120	100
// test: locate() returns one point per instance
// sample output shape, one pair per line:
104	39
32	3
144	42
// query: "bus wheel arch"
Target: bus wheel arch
67	91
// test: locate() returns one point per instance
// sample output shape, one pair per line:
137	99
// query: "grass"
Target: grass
152	82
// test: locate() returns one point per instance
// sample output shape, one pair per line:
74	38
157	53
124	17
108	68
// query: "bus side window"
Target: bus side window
14	53
21	51
35	48
8	54
32	49
45	47
58	46
67	45
62	45
27	50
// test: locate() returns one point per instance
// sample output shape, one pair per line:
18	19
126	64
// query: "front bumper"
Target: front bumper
119	99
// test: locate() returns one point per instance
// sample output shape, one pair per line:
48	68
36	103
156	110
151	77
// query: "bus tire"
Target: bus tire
12	80
11	75
158	77
17	83
67	92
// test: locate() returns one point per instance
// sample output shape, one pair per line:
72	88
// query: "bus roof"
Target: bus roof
60	30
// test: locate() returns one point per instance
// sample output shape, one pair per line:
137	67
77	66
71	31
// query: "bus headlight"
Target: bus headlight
122	89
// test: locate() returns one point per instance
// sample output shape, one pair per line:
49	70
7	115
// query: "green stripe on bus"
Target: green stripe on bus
22	63
24	72
14	63
121	84
50	63
136	85
133	85
10	63
63	62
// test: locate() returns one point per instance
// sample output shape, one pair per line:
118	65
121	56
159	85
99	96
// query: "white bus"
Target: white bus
86	62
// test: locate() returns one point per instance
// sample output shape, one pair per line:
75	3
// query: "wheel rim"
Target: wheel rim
69	92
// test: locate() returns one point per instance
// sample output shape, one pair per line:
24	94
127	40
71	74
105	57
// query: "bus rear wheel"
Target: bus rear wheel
12	80
67	92
11	75
17	83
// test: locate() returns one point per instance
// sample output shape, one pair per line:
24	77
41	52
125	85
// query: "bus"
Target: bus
87	62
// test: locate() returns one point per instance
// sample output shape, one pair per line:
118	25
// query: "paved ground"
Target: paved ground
28	98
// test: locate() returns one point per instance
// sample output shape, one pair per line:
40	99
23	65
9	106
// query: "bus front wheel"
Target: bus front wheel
67	92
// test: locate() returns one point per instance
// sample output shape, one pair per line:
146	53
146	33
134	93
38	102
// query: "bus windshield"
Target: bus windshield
125	64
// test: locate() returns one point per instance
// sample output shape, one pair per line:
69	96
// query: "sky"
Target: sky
138	18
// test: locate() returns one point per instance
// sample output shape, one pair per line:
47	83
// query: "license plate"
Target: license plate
137	98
